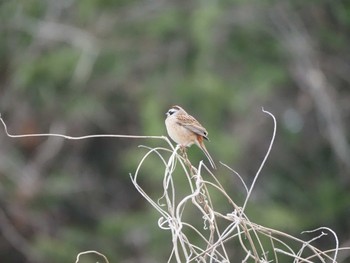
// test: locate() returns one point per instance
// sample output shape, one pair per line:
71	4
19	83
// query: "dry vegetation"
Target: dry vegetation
212	236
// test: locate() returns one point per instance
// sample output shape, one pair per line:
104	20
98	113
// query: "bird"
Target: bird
185	130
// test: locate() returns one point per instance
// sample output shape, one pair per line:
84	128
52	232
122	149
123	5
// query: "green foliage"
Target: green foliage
221	60
60	249
326	191
51	71
166	25
34	8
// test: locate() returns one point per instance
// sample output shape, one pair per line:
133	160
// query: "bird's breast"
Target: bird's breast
179	134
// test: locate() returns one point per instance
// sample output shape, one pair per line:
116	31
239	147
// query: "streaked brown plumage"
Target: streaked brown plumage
185	130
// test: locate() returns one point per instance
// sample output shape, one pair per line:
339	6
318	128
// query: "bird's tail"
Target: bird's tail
202	146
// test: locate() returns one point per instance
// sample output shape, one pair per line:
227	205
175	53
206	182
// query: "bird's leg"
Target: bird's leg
184	155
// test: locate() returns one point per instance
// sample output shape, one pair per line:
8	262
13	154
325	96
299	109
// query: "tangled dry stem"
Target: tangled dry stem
209	237
212	239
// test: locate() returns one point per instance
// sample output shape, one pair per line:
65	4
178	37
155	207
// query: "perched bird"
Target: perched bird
185	130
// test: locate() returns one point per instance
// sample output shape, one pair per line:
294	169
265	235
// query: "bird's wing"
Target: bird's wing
193	125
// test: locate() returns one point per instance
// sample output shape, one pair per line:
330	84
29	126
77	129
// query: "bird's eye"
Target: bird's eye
171	111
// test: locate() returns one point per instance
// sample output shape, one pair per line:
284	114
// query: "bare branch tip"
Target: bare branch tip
265	111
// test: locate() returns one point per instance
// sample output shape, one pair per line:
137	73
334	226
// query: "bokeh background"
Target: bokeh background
116	66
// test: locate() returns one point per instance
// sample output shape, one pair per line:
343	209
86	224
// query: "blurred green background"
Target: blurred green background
108	66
